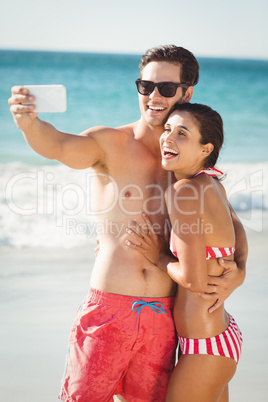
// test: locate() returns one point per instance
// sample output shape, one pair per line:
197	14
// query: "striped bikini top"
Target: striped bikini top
211	172
211	252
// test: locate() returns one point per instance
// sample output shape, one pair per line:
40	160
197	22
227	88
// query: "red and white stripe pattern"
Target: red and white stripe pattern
217	252
211	252
227	344
211	172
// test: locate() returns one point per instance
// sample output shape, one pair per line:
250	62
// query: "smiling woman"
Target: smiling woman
196	127
201	218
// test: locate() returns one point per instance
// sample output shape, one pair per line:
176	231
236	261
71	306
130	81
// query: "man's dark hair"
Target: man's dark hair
176	55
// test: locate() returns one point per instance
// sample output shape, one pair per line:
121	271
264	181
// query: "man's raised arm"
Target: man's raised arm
76	151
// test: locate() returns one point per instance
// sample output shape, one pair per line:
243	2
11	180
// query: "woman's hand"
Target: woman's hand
146	241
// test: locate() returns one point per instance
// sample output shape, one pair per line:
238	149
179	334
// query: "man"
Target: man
123	340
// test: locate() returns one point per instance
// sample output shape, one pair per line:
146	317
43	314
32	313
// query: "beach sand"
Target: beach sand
40	290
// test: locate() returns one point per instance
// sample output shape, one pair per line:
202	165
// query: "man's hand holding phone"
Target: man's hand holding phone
27	101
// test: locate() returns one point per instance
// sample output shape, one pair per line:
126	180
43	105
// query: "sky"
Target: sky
209	28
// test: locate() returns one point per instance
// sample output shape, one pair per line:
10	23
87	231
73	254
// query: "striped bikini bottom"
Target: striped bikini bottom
227	344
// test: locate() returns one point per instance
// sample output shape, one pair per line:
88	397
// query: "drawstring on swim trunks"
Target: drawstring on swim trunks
157	307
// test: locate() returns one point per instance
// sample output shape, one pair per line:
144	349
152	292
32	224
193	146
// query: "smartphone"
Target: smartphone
49	98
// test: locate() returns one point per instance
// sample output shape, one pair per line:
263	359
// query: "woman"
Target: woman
202	231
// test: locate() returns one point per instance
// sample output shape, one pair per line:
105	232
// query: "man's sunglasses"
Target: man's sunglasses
166	89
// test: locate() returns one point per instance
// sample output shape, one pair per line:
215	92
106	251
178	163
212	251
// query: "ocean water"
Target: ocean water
43	203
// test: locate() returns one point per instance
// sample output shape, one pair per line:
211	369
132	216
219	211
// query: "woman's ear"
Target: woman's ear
207	149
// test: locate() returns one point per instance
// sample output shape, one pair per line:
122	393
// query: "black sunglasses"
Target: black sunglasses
166	89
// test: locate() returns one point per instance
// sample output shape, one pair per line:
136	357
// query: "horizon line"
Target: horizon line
127	53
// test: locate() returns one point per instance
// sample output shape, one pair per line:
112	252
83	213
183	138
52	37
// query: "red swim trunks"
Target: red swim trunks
120	345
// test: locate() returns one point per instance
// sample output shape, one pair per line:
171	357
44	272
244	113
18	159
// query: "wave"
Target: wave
49	206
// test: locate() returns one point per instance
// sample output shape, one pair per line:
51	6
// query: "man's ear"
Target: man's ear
207	149
188	94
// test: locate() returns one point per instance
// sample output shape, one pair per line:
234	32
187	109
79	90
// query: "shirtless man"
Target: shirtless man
123	339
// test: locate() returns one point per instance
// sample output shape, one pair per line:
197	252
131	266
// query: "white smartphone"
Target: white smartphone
49	98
